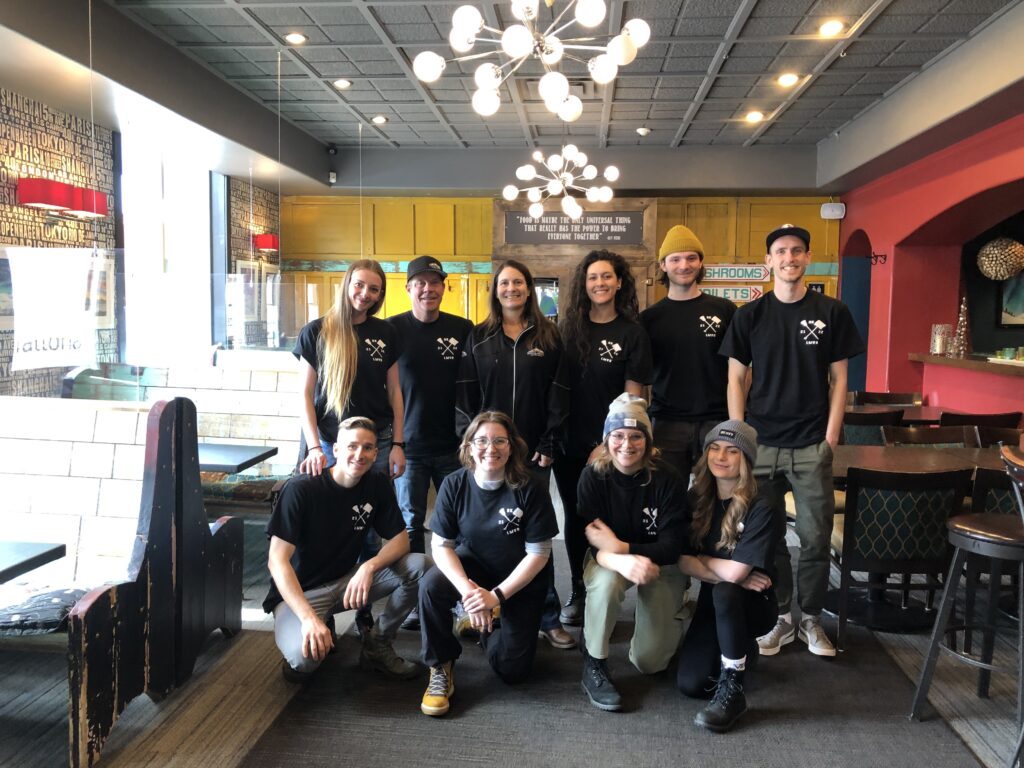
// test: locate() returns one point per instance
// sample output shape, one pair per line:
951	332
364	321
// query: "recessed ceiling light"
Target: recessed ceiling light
831	28
754	116
788	80
342	84
643	130
379	119
296	38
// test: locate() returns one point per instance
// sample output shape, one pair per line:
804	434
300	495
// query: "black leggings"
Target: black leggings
567	471
510	648
727	622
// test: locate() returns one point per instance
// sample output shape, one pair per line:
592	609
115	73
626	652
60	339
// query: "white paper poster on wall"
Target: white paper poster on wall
60	297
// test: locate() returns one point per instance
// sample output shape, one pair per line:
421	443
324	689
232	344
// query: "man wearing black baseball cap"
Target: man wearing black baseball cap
796	343
433	342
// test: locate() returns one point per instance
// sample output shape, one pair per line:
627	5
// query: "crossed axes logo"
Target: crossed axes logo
650	519
448	347
812	330
710	325
361	513
376	349
609	350
510	519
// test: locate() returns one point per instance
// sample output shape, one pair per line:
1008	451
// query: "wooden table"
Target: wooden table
232	457
18	557
910	459
913	415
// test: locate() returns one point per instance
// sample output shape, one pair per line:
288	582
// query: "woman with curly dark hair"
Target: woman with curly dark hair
607	353
733	535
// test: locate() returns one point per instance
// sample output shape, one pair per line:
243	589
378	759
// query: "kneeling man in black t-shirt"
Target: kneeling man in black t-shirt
316	534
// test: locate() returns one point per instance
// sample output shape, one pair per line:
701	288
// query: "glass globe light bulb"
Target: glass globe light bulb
461	41
526	172
622	49
639	30
569	152
593	194
553	87
576	211
590	13
486	102
525	9
554	187
590	172
570	110
567	204
487	76
536	210
516	41
581	158
467	19
553	50
602	69
611	173
606	194
428	66
533	194
538	156
510	192
554	162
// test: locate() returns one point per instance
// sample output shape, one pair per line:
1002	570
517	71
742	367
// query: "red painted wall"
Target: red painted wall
920	216
971	391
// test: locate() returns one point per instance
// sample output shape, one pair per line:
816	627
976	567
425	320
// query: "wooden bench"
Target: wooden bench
145	579
237	405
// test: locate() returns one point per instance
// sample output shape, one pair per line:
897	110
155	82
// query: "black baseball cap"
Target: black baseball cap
788	229
425	264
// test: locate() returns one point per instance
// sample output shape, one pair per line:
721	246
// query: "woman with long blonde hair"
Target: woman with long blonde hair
348	361
732	539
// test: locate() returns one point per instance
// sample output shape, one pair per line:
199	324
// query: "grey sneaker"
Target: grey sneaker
782	634
379	655
811	632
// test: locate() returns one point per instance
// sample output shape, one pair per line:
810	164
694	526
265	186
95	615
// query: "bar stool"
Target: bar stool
996	536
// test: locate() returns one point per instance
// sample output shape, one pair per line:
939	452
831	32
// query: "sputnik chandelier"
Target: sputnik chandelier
559	174
528	39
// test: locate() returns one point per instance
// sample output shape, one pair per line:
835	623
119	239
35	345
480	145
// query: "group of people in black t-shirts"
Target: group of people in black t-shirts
748	401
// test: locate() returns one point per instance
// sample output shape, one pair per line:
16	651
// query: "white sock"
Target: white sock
737	664
786	617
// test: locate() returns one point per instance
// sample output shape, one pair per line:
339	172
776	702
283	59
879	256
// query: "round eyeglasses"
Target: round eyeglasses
483	442
619	438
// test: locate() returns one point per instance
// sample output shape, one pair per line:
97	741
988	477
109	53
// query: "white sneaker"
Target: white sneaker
817	641
782	634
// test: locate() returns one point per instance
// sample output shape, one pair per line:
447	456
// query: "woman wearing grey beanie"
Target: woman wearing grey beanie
732	539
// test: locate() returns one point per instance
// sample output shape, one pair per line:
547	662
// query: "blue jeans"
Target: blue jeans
412	489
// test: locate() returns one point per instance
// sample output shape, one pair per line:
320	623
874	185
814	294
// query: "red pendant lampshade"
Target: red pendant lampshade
266	242
45	194
87	204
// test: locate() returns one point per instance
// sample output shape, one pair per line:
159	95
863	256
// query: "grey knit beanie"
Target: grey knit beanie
737	433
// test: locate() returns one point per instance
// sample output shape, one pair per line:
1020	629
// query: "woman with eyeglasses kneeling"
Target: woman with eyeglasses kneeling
635	506
733	535
491	542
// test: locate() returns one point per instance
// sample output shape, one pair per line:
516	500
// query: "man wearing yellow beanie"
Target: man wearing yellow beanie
686	329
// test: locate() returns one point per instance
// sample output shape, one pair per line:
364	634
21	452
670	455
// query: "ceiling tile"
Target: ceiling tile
245	34
192	34
954	23
218	16
777	8
893	24
281	16
350	33
330	15
770	26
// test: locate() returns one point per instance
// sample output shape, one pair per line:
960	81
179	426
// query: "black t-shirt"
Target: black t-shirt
756	543
518	378
789	348
646	510
379	348
619	350
427	369
327	523
494	526
690	377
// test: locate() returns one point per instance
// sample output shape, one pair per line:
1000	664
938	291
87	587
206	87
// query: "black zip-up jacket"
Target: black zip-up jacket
526	382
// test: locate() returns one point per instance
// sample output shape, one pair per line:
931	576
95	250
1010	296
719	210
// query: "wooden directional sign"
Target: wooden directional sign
738	293
738	273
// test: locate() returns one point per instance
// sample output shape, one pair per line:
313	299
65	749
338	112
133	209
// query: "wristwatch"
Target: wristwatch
399	443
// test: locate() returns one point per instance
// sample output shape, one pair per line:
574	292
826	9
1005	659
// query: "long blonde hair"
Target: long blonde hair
338	345
704	495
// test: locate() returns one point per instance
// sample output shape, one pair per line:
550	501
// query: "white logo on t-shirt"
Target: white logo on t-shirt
649	517
510	520
376	349
360	514
811	331
710	325
609	350
448	348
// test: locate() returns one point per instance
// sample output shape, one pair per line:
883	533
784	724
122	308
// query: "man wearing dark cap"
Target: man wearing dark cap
686	330
432	348
797	343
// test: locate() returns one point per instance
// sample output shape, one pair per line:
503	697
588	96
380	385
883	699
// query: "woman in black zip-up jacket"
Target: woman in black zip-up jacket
514	363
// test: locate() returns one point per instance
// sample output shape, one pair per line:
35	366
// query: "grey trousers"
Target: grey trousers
400	583
807	472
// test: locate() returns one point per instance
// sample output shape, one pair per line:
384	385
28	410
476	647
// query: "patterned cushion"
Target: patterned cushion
242	487
901	525
39	614
862	434
1001	500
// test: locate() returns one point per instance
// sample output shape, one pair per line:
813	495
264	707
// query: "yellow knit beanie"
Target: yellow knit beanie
680	239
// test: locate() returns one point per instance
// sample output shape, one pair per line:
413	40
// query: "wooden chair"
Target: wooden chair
1001	538
931	437
866	428
990	437
1009	420
895	523
887	398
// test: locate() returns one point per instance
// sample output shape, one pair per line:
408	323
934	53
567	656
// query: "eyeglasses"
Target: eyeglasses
619	438
483	442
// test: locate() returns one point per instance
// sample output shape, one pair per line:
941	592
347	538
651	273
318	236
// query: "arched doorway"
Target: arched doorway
855	291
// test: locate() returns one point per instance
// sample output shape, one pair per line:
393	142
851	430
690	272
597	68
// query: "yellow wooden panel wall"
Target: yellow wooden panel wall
473	220
435	228
315	228
756	217
393	228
